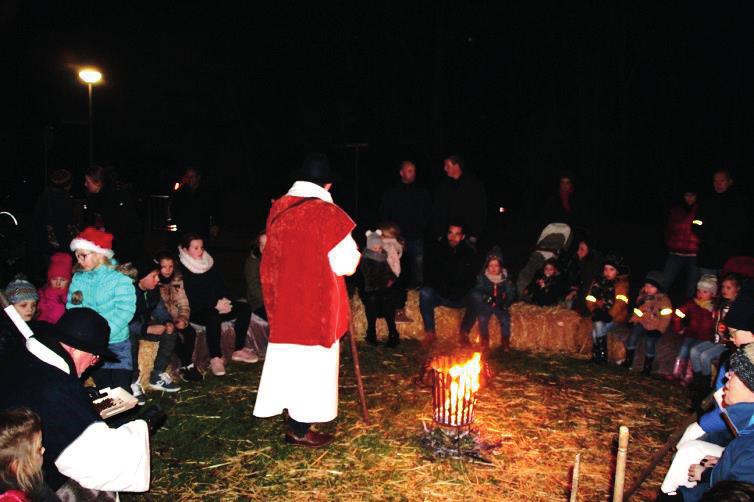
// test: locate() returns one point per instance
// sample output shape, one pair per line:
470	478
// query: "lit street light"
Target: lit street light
90	76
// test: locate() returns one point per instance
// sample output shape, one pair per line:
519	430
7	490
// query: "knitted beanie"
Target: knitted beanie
97	241
21	290
655	278
374	238
741	314
708	282
742	364
60	266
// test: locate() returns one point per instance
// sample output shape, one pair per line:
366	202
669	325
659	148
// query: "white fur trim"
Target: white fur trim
78	243
199	266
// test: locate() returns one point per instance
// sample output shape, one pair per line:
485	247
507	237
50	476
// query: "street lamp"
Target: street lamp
90	76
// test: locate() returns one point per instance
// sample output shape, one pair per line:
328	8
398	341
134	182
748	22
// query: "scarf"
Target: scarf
199	266
705	304
495	279
374	255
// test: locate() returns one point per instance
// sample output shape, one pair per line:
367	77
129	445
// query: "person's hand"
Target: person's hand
181	323
157	329
169	328
709	461
695	472
571	295
223	305
541	283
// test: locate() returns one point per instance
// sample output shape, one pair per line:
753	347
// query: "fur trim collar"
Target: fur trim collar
199	266
309	189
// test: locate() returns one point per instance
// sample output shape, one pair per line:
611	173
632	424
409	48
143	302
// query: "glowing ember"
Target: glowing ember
455	388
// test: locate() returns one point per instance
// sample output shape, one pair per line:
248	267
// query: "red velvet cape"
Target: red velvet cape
306	303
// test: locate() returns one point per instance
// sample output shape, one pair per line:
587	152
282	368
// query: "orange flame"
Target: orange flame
459	385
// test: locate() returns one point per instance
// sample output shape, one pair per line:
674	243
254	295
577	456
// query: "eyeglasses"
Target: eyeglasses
82	256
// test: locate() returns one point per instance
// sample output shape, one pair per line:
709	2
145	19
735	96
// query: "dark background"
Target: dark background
634	99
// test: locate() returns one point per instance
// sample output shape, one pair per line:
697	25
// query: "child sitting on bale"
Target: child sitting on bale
377	295
54	295
651	317
23	296
548	287
607	301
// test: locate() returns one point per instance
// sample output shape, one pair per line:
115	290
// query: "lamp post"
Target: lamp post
90	76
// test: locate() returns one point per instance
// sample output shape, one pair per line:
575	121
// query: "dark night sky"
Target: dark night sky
638	96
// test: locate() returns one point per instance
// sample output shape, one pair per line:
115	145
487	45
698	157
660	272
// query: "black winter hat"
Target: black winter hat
615	261
84	329
656	279
316	169
741	314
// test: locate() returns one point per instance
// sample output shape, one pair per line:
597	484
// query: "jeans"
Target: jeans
414	252
485	311
650	340
685	350
601	328
212	319
676	264
429	298
702	354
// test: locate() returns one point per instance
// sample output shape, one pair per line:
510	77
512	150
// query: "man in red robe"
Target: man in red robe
309	250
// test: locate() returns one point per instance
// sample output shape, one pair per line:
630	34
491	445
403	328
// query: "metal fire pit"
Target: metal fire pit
454	389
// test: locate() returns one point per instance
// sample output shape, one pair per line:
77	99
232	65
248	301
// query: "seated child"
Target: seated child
377	294
23	295
651	317
54	295
21	457
392	243
694	322
493	293
548	286
607	301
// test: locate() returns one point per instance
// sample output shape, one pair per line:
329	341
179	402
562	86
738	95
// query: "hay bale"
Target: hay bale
549	329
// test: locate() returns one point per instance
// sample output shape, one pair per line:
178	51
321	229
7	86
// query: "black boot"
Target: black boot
600	350
629	361
392	340
371	338
647	365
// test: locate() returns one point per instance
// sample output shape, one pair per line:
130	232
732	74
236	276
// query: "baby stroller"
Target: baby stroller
554	239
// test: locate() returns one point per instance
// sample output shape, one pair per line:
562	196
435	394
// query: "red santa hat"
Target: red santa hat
97	241
60	266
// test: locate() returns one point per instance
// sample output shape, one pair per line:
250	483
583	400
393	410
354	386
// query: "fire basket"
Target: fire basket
455	385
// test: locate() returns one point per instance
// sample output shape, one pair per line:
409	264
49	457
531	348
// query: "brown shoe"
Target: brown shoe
312	439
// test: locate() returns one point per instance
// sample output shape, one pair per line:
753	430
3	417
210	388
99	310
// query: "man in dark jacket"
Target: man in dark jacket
449	276
460	198
409	206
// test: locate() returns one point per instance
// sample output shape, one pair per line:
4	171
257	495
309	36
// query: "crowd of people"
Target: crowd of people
104	295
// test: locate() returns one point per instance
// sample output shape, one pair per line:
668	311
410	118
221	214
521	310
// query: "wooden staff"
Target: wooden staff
620	465
575	478
357	371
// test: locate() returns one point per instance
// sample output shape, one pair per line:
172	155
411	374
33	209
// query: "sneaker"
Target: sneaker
217	366
244	355
164	383
401	317
138	393
190	374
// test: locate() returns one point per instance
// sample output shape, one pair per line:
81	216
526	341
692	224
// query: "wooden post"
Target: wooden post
620	465
359	382
575	478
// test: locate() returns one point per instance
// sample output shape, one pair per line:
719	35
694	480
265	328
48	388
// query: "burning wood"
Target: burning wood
455	388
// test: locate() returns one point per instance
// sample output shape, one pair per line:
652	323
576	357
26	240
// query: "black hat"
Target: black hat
86	330
741	314
656	279
144	266
615	261
316	169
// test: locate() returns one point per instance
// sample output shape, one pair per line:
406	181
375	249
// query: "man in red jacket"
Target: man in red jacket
309	250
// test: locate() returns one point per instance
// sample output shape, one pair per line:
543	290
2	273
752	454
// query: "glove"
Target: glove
155	418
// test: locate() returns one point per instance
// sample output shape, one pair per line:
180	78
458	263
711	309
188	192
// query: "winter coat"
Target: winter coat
579	274
551	293
737	461
499	296
51	305
462	201
174	297
107	292
117	211
54	215
450	270
409	206
204	289
376	271
679	237
725	223
253	283
656	312
695	321
146	303
610	299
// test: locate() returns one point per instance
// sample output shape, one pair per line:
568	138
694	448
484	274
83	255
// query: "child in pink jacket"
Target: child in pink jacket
53	295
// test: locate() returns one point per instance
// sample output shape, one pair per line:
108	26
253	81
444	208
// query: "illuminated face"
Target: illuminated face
566	185
262	242
376	246
735	391
494	267
721	182
26	309
91	185
650	289
455	235
88	260
408	173
451	169
704	295
729	290
583	250
150	281
166	267
59	282
689	198
740	336
191	178
549	270
609	272
196	249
